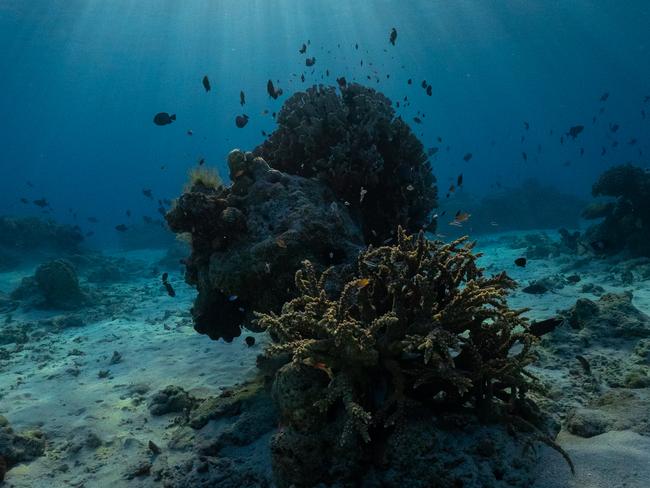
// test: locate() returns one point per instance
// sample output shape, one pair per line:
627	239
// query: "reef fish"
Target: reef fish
575	131
241	121
272	91
467	157
521	262
242	98
163	118
535	289
167	285
303	49
309	62
393	36
147	193
538	329
41	202
121	228
206	83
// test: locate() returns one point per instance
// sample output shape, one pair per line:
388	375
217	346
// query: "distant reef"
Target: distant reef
624	215
25	238
532	205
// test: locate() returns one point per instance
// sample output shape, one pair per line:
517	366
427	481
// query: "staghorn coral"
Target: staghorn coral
369	157
418	326
626	221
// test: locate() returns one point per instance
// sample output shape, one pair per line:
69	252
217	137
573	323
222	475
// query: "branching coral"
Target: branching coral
369	157
419	324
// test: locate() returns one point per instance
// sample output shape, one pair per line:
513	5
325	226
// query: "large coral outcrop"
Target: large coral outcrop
625	224
418	327
248	240
54	285
368	157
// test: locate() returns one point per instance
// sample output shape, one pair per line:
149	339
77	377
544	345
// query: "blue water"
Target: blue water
81	80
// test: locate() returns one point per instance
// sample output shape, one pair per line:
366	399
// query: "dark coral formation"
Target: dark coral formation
54	285
25	237
626	220
250	238
418	327
368	157
18	448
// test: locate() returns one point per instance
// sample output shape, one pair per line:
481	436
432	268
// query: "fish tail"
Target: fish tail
173	117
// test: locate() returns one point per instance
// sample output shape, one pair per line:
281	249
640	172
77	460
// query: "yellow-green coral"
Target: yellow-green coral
419	321
202	178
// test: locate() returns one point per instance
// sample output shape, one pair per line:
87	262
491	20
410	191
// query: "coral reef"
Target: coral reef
626	221
368	157
418	327
249	239
29	237
18	448
54	285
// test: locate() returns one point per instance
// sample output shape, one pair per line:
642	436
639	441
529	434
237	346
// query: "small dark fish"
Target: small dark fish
467	157
604	97
342	82
250	341
393	36
241	121
309	62
201	161
521	262
429	90
163	118
582	151
432	151
613	127
147	193
459	180
189	132
206	83
41	202
168	286
524	155
242	98
535	289
584	363
92	220
603	151
303	49
424	84
417	120
561	139
646	99
128	213
538	329
526	125
121	228
302	77
29	184
24	200
273	93
575	131
409	81
632	141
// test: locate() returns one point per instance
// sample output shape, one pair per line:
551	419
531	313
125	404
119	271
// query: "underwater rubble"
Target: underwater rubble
18	447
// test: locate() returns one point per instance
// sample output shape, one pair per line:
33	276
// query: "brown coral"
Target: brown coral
419	324
369	157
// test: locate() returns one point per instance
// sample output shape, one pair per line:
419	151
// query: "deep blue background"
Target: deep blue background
81	80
